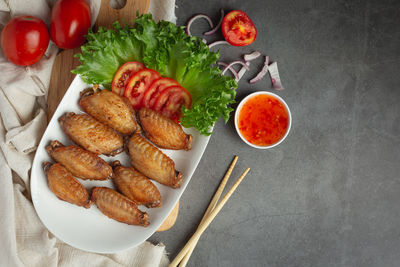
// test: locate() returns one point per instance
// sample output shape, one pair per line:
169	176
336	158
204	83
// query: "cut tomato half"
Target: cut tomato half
238	29
152	93
170	101
138	84
123	75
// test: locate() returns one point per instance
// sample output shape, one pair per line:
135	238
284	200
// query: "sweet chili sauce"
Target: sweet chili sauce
263	120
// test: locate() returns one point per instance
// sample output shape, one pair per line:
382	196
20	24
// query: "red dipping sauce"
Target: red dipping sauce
263	120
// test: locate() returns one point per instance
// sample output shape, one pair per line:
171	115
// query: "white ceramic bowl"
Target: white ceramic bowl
240	107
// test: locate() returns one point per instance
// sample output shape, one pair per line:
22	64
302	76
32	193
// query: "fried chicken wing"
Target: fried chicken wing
151	162
65	186
91	134
80	162
118	207
162	131
110	109
135	186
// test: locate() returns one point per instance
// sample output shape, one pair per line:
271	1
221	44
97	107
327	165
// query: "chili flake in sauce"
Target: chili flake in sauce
263	120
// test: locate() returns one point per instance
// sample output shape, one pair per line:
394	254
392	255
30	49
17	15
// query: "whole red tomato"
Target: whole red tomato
70	22
24	40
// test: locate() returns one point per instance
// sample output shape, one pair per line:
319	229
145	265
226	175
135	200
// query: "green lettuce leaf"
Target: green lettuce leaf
166	48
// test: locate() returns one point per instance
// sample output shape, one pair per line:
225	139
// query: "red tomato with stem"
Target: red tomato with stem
152	93
124	73
238	29
138	84
24	40
70	22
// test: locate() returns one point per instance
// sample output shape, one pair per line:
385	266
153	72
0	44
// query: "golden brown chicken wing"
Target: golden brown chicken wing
65	186
80	162
118	207
135	186
110	109
91	134
162	131
151	162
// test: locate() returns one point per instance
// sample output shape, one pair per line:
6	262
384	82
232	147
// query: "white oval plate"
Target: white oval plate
89	229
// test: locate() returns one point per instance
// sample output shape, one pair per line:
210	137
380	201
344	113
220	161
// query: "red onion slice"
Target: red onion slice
263	71
222	63
234	72
247	58
218	25
242	71
275	79
234	63
254	55
200	16
217	43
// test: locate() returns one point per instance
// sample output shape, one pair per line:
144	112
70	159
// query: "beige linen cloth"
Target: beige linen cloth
24	241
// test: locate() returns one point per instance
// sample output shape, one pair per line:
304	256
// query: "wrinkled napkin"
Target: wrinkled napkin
24	240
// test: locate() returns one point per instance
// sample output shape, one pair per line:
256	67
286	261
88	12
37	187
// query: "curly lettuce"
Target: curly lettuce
166	48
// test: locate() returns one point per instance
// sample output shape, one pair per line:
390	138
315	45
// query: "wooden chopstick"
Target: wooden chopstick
207	221
210	207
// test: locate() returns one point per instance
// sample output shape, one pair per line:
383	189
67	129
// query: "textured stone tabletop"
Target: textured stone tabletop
330	194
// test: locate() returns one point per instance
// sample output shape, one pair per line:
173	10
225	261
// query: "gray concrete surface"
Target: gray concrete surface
329	195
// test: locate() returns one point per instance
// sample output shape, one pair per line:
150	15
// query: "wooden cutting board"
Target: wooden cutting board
61	76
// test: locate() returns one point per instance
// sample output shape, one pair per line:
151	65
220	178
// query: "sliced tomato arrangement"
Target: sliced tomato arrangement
238	29
155	89
138	84
146	88
170	101
123	75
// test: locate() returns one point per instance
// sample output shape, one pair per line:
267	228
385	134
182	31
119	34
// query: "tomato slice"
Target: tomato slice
172	107
123	74
170	101
238	29
155	89
138	84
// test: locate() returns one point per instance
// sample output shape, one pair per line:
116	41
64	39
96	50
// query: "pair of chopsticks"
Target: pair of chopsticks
212	211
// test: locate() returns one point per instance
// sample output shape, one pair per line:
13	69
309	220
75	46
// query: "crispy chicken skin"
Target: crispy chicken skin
151	162
135	186
118	207
65	186
110	109
80	162
91	134
162	131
